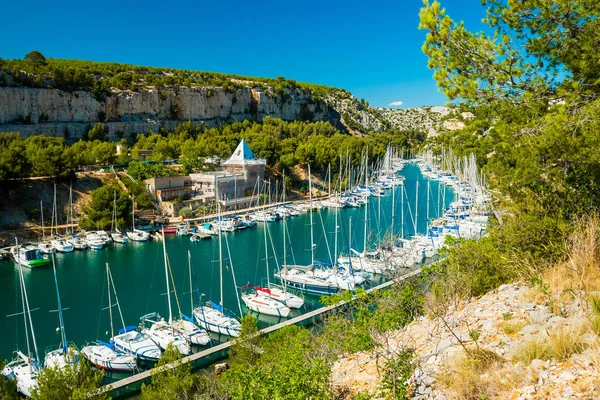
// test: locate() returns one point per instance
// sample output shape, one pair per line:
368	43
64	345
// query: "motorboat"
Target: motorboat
29	256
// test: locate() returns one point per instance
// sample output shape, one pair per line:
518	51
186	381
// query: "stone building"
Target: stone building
241	176
169	187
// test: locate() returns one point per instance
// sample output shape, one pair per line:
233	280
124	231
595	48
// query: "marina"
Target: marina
210	276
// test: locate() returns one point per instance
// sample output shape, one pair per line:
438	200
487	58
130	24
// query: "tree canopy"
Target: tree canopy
532	79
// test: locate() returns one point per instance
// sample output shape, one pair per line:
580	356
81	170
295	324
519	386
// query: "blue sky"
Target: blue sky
372	48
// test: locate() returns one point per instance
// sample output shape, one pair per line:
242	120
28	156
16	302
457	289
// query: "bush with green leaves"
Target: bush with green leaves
99	211
77	382
175	382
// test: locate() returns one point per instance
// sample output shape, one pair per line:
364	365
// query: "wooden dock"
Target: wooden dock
132	384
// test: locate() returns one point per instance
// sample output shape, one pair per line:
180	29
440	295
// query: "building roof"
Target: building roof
243	155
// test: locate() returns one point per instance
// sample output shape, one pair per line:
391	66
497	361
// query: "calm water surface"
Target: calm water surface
139	275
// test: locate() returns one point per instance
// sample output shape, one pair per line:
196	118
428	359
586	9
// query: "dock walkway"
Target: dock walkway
132	384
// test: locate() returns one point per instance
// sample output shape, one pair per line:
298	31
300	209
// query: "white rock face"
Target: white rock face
59	113
426	119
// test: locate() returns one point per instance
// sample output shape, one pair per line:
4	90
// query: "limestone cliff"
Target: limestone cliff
55	112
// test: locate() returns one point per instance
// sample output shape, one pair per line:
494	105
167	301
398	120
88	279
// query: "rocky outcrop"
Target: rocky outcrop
59	113
539	350
425	119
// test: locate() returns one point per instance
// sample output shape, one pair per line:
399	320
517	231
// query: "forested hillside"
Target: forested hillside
64	98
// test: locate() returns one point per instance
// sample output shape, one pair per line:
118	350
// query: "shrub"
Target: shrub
396	376
186	212
512	327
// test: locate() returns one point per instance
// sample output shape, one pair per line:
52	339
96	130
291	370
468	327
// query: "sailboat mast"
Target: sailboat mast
402	211
112	282
335	249
428	187
350	242
220	244
329	176
70	209
114	213
191	288
54	214
416	206
23	300
42	215
112	328
312	239
60	315
132	212
24	293
266	254
393	207
167	277
366	210
439	195
284	225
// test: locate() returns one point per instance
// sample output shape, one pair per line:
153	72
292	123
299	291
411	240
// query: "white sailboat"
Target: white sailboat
306	278
276	292
105	355
129	340
65	355
365	261
74	240
115	234
62	245
260	301
160	331
211	316
45	247
24	369
136	235
58	243
185	325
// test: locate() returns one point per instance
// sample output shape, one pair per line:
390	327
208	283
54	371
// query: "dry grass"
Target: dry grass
481	374
580	270
534	294
534	349
595	304
566	341
513	326
560	345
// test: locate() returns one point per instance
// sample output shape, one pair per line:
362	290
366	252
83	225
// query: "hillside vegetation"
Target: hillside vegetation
68	95
102	77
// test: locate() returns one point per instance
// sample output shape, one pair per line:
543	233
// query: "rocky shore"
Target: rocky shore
517	342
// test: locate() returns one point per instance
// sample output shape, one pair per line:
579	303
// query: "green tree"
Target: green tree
284	370
36	59
170	383
104	152
45	155
77	382
532	81
100	208
8	387
98	132
186	212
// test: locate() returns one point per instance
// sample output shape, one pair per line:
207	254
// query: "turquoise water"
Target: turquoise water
139	275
